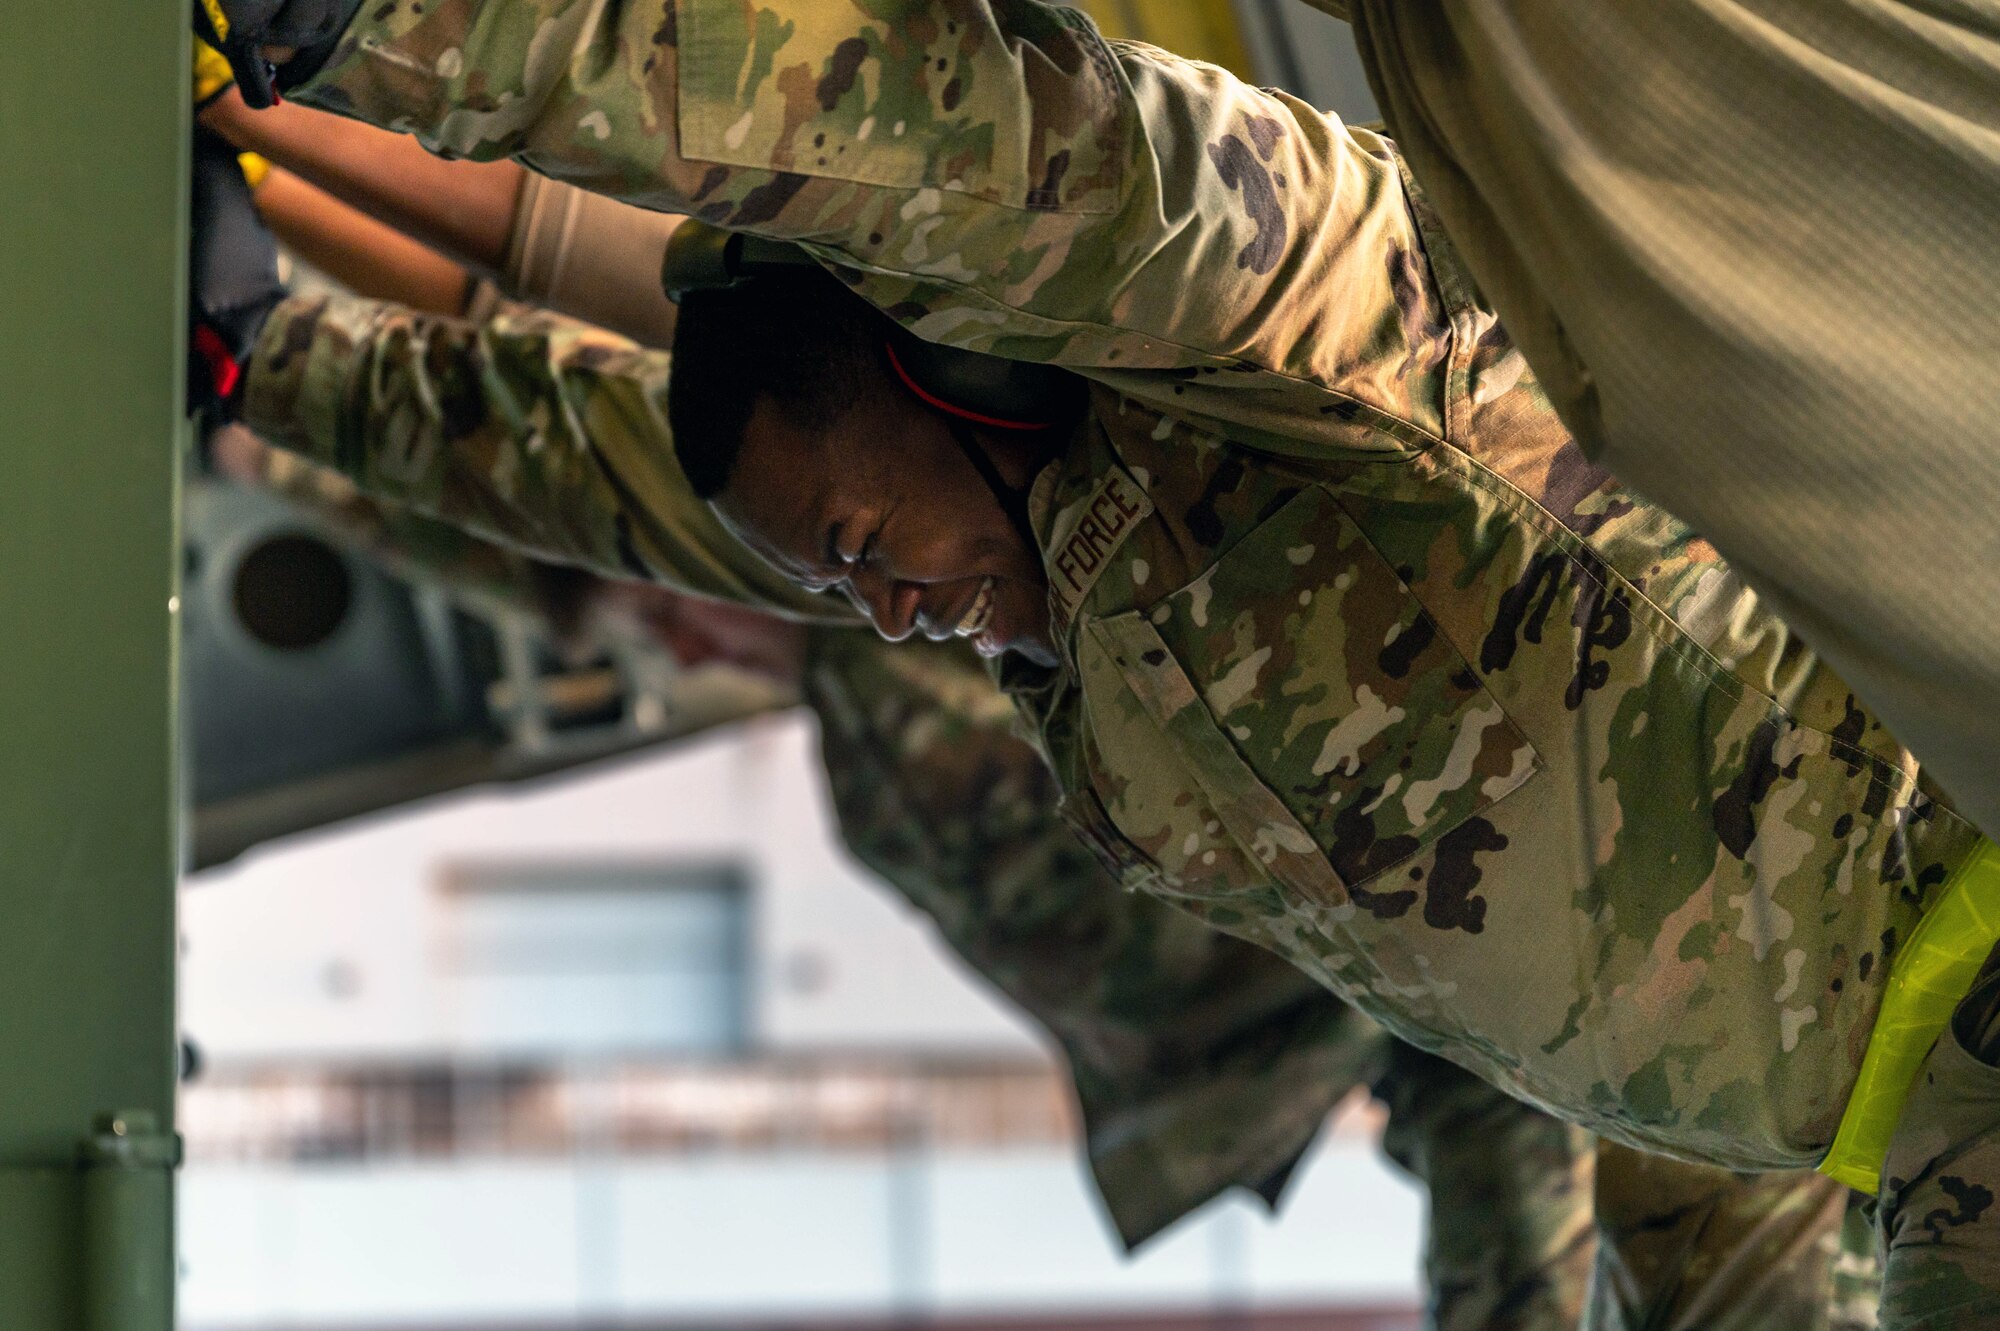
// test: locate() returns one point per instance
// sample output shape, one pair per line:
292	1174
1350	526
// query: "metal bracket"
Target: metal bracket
128	1203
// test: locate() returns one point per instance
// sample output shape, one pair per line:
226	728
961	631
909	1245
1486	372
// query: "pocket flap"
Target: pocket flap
1334	728
1256	819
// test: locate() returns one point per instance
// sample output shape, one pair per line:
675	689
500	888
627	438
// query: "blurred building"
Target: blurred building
640	1048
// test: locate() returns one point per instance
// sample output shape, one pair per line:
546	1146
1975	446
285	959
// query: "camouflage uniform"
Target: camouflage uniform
1363	661
1719	926
1165	1021
614	512
1200	1062
1687	1248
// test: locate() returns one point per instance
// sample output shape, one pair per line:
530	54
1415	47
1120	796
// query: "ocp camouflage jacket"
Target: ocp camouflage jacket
1360	659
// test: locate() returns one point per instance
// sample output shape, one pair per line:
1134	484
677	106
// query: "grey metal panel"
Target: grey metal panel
363	677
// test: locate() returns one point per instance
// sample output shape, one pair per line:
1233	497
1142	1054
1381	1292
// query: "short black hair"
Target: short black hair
801	338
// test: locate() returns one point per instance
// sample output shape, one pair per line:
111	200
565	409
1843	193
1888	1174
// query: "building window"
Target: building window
560	959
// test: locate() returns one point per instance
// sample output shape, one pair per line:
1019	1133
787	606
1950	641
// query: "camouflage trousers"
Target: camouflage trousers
1535	1226
1684	1247
1935	1217
1678	1247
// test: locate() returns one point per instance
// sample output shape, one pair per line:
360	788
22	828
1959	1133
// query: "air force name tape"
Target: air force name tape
1089	532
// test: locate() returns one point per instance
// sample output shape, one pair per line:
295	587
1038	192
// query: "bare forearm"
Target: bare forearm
369	257
575	252
464	209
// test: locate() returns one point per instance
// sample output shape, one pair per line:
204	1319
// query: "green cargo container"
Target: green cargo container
93	133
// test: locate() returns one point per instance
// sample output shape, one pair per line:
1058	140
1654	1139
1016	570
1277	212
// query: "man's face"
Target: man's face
884	505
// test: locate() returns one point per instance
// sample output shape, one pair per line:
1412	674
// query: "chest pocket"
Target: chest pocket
929	95
1332	731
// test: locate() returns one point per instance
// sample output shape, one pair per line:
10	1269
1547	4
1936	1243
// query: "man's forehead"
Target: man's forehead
781	524
778	500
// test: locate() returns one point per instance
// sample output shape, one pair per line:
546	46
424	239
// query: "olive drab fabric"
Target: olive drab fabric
1378	672
1748	246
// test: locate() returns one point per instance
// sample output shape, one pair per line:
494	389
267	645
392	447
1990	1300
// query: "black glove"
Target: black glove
240	29
232	275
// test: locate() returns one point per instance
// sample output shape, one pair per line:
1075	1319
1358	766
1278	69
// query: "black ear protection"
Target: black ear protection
969	386
700	257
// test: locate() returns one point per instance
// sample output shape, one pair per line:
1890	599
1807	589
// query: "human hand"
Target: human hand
258	36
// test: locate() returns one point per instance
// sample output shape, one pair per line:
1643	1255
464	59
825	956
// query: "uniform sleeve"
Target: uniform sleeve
494	578
996	175
528	429
1200	1061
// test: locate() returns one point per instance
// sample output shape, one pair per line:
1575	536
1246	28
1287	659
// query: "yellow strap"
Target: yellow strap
217	19
211	72
1932	973
256	169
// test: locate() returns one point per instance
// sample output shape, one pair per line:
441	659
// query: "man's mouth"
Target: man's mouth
978	615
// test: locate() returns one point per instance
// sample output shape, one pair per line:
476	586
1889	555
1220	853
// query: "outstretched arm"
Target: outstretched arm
461	209
544	242
364	255
529	429
1000	176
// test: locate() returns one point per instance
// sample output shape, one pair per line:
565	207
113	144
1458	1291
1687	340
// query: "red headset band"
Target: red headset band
931	399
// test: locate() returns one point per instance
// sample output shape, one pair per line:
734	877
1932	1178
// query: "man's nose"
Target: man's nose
890	603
